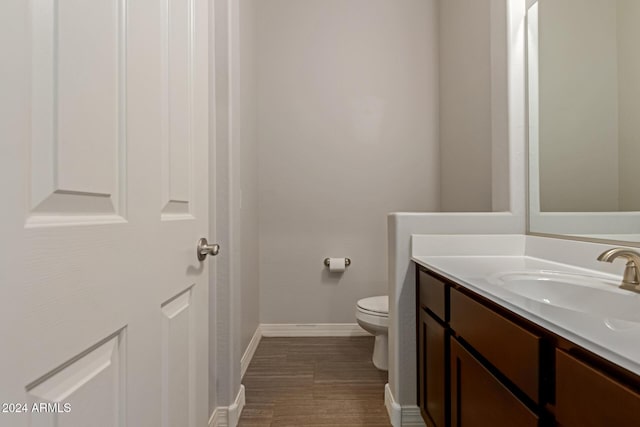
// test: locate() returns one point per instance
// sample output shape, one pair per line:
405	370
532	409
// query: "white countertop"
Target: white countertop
614	339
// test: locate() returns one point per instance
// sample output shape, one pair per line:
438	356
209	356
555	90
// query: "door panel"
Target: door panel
93	382
177	361
77	141
178	107
104	136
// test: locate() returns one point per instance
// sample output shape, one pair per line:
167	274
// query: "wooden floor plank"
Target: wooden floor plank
326	381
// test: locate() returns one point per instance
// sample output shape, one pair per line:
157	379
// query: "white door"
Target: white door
103	196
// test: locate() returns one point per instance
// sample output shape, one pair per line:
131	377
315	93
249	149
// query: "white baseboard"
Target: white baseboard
393	408
218	418
401	416
312	330
250	351
235	410
228	416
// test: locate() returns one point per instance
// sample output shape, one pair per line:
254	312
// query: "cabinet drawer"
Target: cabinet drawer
479	399
431	293
513	350
586	397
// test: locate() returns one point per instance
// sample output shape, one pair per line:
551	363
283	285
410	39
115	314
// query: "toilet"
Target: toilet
372	315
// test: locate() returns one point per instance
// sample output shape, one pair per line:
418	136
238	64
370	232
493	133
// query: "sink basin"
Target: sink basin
573	291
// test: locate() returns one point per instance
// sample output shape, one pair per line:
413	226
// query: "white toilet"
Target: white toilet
372	315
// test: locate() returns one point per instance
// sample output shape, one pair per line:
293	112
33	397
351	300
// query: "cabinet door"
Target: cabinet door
479	399
586	397
432	370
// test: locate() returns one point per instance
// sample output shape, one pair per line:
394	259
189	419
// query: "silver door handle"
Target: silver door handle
204	249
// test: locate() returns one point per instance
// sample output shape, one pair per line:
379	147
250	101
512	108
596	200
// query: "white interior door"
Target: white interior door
103	179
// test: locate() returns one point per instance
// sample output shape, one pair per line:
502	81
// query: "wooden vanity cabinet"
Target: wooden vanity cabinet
433	351
480	364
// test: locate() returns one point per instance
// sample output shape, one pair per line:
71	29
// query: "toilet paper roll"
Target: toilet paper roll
337	265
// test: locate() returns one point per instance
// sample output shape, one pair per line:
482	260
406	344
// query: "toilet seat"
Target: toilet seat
374	306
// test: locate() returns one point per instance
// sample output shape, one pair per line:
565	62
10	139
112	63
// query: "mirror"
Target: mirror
584	118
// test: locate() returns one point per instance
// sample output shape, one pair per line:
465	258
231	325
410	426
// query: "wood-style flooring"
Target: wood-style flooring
314	382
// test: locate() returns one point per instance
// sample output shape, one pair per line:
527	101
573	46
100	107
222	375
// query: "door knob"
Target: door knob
204	249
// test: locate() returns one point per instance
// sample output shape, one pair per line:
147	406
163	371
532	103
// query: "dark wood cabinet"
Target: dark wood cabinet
586	397
479	399
480	364
433	381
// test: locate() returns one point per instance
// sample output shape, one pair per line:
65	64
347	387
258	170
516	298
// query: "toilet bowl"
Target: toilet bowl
372	314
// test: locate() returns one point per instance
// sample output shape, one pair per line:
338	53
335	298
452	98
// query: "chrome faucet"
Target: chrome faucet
631	277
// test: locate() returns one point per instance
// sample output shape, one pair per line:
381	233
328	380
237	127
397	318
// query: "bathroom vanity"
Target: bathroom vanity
489	355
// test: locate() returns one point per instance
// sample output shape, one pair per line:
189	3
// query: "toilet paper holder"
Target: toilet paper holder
347	262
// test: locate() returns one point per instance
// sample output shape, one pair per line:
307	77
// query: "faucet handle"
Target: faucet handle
630	276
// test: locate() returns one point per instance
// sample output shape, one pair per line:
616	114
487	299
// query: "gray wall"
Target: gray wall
224	307
348	129
234	279
248	165
465	103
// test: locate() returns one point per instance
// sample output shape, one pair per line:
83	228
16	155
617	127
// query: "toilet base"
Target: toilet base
381	352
